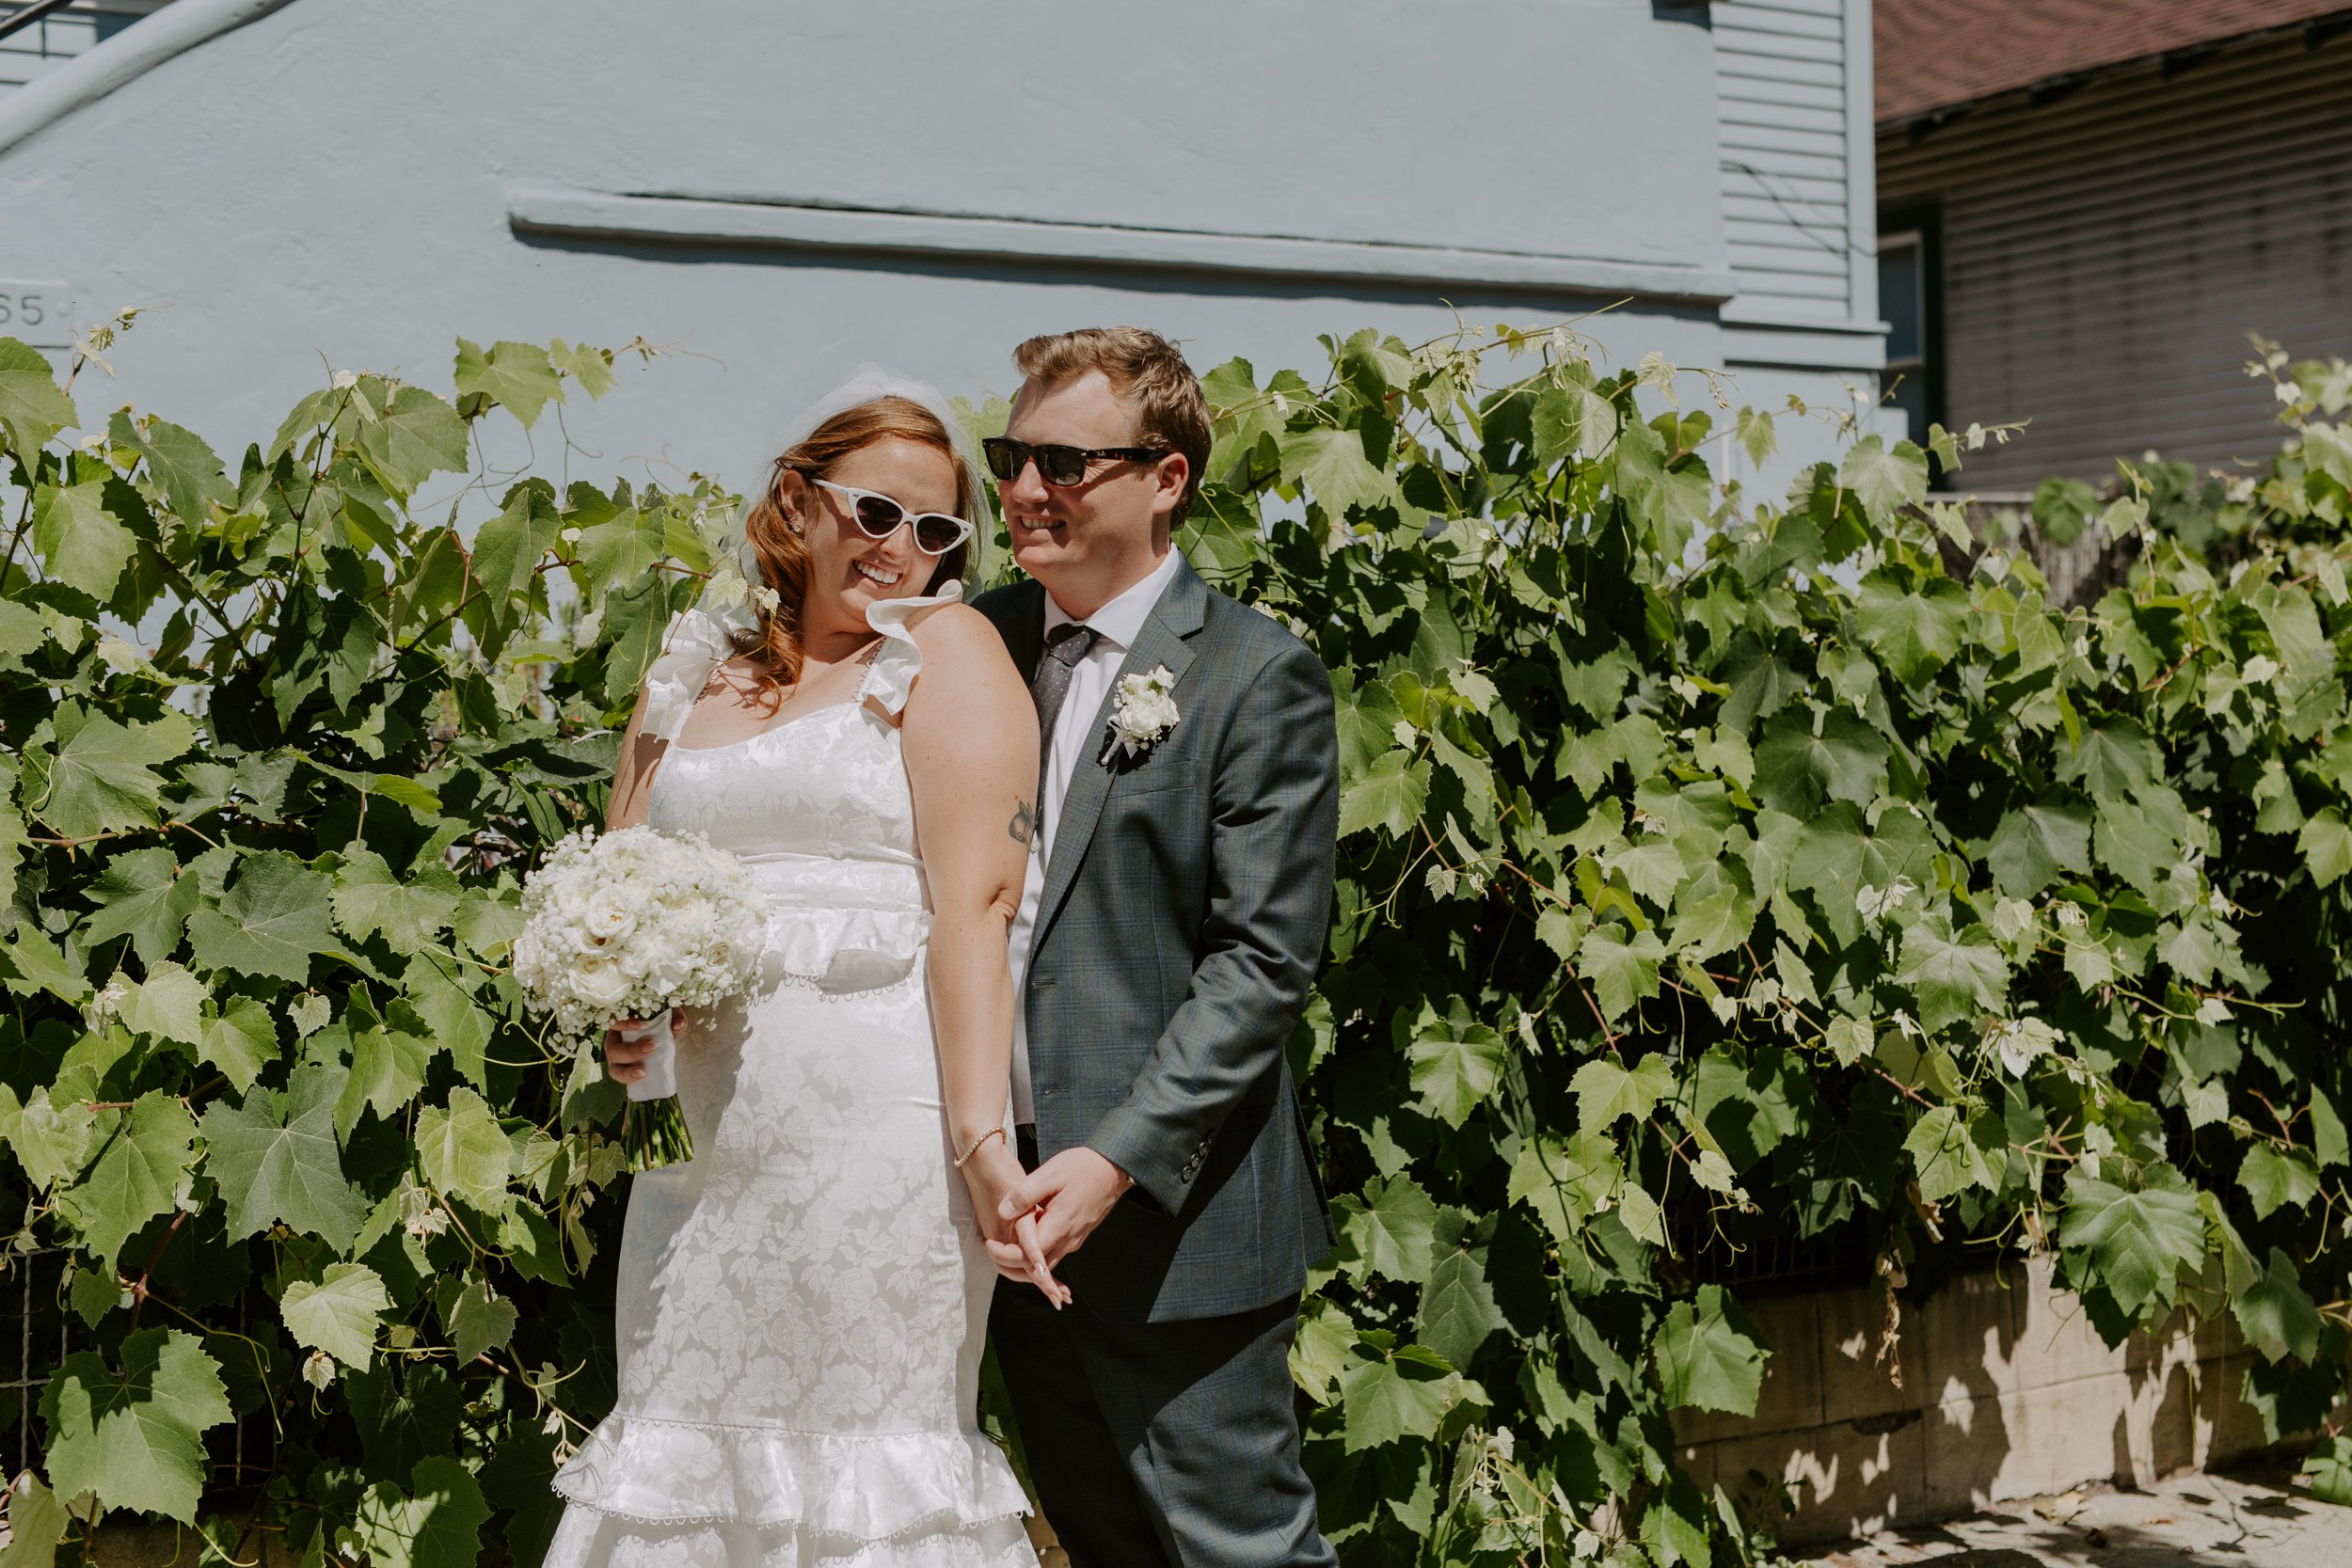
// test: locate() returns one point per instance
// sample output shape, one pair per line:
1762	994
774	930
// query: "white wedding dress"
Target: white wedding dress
801	1308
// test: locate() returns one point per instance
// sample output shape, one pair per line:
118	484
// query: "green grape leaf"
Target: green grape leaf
1388	795
32	409
518	377
239	1041
370	897
1455	1069
273	1157
591	367
134	1438
1884	479
169	1004
2035	842
271	921
178	463
1952	1152
1566	1181
1622	970
478	1321
436	1522
2327	1471
2276	1313
1367	717
37	1522
79	541
1605	1091
1915	632
2139	1242
1458	1312
1391	1230
1710	1356
141	895
1797	770
461	1149
143	1158
388	1068
435	982
1396	1397
2114	760
1243	415
2273	1180
1651	867
1332	465
339	1313
2326	846
419	436
30	964
101	776
1954	976
52	1142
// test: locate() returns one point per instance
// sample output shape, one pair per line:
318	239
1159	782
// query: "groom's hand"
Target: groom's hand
1075	1189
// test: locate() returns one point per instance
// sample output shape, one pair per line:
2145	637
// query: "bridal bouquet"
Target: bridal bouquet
629	925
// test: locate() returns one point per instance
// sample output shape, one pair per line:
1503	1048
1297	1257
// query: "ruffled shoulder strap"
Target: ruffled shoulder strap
694	644
891	677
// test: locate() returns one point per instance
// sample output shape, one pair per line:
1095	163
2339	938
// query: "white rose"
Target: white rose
607	918
599	982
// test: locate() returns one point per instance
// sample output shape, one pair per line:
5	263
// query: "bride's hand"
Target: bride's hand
628	1047
991	1173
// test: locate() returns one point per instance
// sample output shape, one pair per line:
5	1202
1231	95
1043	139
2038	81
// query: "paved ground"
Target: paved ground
2187	1522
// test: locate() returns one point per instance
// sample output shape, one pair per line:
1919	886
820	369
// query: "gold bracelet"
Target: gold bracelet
992	1132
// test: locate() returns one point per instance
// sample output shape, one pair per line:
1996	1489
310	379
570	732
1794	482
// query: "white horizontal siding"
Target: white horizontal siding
1788	172
2105	256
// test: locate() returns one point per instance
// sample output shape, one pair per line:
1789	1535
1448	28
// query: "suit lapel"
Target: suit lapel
1022	627
1165	639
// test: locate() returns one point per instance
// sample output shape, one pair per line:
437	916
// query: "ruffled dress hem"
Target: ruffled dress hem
870	1487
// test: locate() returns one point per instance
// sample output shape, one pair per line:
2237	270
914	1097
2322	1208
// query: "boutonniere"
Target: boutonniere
1143	710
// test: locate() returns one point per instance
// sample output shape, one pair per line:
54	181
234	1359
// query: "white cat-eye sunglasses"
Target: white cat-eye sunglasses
878	516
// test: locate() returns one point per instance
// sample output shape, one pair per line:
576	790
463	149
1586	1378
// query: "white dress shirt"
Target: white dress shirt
1077	739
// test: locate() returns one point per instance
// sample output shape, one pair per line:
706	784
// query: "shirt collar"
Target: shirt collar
1120	622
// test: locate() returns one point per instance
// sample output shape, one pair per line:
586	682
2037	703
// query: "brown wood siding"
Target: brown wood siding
2105	254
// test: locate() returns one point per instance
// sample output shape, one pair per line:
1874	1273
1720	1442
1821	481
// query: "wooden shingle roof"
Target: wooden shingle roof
1937	54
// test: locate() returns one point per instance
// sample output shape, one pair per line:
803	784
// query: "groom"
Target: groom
1175	912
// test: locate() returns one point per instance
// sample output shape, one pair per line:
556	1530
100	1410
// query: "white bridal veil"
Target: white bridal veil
698	639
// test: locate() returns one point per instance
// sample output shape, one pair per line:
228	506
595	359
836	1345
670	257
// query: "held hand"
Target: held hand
991	1175
1022	1261
1075	1189
629	1046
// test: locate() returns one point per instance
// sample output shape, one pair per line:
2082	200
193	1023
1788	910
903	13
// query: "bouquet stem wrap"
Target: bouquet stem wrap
653	1124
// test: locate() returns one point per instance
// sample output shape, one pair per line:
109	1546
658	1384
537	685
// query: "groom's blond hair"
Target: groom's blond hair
1149	377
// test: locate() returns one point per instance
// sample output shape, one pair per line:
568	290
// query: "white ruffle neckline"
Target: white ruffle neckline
697	641
869	1487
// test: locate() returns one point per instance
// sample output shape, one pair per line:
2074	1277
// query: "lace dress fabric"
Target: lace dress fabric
801	1308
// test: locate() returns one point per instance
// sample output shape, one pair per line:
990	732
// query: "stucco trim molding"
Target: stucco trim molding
698	221
89	77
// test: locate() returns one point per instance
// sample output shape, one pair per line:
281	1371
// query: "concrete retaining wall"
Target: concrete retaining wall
1998	1387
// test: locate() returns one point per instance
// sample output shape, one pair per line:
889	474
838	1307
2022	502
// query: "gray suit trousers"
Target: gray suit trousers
1168	1444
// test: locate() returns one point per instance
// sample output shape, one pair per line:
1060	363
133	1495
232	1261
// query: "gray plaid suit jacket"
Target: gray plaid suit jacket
1183	913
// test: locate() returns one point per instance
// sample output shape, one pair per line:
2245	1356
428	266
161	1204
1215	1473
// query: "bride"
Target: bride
801	1308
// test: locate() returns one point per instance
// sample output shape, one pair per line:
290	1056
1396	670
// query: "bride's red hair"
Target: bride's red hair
774	647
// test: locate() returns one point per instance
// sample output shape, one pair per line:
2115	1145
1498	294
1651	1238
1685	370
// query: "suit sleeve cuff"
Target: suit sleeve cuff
1165	1184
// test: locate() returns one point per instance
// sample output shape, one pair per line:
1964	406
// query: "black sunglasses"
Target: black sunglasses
1058	465
879	516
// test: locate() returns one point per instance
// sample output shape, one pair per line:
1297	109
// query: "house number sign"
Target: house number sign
39	313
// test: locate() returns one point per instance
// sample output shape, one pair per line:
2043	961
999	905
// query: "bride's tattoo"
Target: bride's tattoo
1024	824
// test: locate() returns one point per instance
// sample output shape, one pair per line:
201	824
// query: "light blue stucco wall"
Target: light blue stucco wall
784	191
